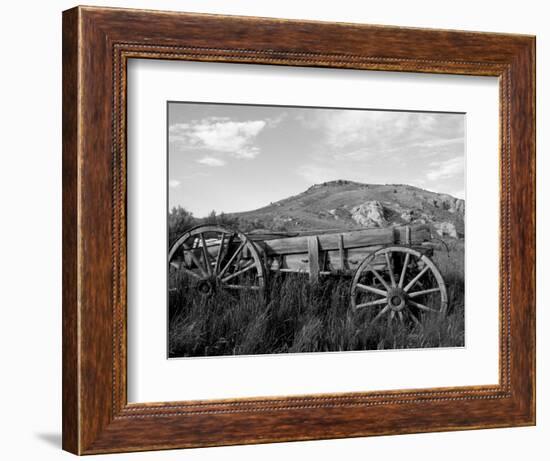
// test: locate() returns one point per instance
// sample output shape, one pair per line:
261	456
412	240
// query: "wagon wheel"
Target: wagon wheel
213	257
398	283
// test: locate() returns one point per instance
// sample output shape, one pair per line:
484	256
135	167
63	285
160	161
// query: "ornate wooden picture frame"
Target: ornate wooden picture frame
97	44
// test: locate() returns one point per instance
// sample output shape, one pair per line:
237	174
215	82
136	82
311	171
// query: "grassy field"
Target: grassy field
301	317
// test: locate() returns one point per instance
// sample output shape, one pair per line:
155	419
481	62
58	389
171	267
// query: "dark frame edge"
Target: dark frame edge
70	351
524	218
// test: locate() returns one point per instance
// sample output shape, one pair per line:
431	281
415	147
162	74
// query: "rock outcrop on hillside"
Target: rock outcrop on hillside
369	214
449	203
445	229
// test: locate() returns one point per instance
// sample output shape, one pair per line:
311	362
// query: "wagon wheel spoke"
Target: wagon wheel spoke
225	254
401	318
379	277
389	318
233	256
414	317
372	289
414	280
404	270
243	287
381	313
219	255
206	256
239	259
372	303
424	292
195	260
180	267
242	271
191	273
422	306
390	268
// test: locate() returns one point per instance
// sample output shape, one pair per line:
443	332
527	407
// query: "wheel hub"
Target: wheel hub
206	287
396	299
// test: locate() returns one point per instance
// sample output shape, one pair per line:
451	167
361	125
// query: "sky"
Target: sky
230	158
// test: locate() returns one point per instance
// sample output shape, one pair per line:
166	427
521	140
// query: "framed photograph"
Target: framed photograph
318	270
282	230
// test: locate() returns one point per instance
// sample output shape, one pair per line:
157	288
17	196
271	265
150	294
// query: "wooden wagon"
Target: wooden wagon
391	269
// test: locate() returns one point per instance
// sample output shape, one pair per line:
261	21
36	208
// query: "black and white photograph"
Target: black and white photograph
312	229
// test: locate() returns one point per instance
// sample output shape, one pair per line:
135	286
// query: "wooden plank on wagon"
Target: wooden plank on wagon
352	239
409	235
313	256
341	251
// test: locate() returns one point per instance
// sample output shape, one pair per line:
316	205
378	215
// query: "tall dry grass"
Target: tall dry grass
301	317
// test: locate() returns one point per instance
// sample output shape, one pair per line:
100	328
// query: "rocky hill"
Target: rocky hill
349	205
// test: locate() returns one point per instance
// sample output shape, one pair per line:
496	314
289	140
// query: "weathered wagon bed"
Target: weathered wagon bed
327	252
391	267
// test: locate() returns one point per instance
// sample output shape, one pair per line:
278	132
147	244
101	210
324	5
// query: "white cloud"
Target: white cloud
344	128
248	152
446	168
358	134
211	161
219	134
173	183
